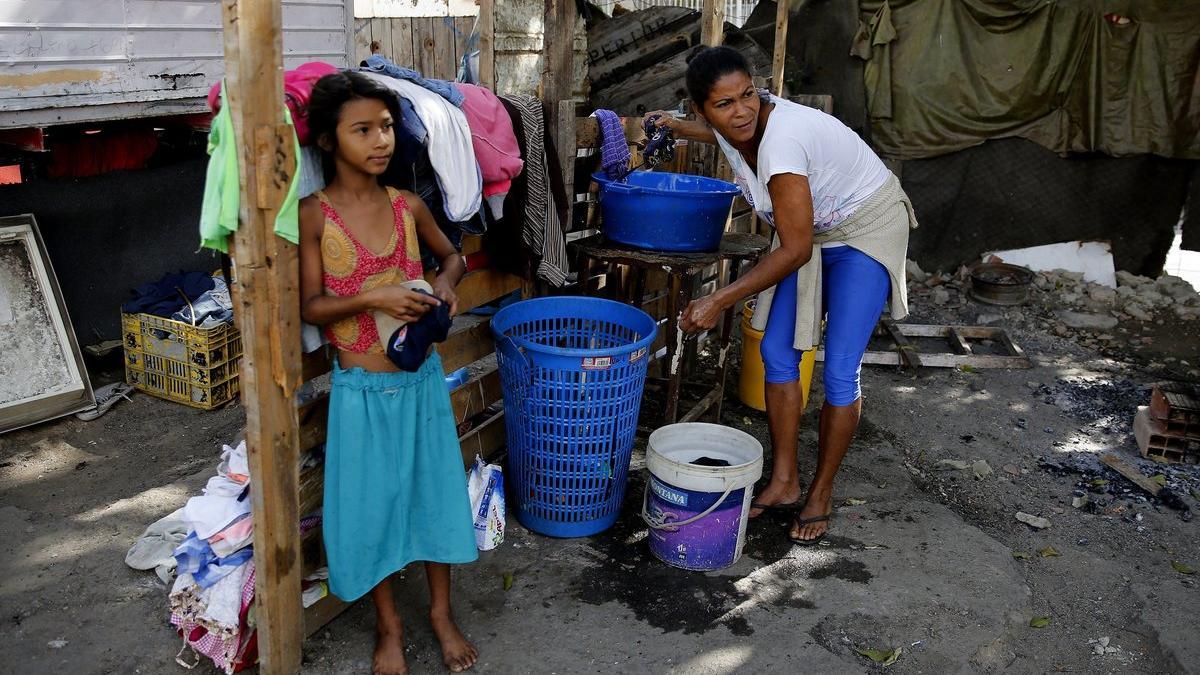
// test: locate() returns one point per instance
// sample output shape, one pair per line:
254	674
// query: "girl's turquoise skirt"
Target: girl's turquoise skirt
395	487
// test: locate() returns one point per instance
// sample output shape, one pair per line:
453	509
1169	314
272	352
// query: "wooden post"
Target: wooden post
712	23
558	85
267	310
779	58
487	43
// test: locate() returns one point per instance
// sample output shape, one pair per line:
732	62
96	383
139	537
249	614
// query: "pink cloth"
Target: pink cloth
493	138
297	88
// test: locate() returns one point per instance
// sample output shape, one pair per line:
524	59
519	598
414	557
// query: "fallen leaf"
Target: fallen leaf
1021	555
966	369
508	580
746	421
1182	568
1049	552
1099	482
1160	479
854	502
880	656
1195	495
1039	622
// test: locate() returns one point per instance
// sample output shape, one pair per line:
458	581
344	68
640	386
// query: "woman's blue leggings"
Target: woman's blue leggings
854	288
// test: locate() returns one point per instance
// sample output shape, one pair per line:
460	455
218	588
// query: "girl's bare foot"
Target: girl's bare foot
457	652
389	653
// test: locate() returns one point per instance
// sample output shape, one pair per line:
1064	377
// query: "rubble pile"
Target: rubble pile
1134	297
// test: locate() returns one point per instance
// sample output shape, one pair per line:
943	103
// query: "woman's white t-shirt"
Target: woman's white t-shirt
841	168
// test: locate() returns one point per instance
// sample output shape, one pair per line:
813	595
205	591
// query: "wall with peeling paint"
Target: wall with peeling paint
73	61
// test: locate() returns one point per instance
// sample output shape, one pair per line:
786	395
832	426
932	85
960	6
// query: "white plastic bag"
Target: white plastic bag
485	484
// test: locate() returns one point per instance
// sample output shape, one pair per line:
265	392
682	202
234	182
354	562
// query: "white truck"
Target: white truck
73	61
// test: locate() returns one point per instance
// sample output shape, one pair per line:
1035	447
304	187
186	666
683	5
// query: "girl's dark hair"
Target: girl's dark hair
706	65
329	94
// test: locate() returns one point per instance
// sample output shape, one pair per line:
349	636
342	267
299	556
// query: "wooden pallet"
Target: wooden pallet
958	339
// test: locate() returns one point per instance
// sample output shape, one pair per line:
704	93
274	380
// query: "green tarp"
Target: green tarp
1110	76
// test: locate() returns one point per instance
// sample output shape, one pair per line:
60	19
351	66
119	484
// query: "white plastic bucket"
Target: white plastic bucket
697	514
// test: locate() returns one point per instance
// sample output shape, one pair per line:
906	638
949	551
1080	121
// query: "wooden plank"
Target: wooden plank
484	440
463	27
313	418
908	351
315	364
422	40
381	32
712	23
268	316
487	43
471	398
467	344
362	40
1130	472
444	65
312	488
471	243
558	74
482	286
322	612
779	56
402	42
957	342
978	361
587	131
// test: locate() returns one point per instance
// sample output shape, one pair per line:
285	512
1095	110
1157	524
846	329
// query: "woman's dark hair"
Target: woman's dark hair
329	94
706	65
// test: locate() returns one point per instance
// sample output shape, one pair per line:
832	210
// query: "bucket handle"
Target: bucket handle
673	526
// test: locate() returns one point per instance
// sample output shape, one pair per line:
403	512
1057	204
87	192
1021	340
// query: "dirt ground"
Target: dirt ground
922	556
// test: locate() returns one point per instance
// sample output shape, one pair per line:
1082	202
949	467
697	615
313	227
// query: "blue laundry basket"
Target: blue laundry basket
572	370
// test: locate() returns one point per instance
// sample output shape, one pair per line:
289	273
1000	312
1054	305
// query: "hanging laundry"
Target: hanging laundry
449	145
614	149
541	227
495	143
377	63
222	191
297	90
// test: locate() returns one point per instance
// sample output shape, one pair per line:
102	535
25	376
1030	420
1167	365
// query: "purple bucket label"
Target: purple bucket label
710	543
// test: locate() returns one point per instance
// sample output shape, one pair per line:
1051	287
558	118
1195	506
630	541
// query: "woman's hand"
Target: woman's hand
444	290
702	314
695	130
401	303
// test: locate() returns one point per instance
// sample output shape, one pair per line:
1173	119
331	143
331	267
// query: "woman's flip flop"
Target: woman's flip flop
778	508
806	521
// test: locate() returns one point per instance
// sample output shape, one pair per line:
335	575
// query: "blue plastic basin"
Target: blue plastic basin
666	211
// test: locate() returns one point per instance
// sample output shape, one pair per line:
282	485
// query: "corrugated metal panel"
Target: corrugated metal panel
76	60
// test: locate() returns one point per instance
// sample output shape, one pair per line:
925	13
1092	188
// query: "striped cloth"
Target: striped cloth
542	230
614	149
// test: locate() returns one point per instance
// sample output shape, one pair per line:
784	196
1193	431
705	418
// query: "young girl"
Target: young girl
395	490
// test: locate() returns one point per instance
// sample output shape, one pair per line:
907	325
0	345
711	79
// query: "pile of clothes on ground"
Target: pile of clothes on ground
192	297
207	544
